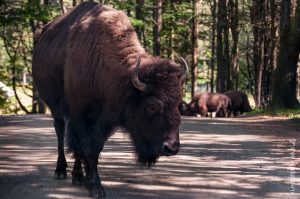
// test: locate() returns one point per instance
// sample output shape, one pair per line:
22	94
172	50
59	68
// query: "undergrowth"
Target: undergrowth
290	113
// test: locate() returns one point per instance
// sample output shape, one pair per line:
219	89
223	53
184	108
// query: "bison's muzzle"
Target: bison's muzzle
172	145
170	148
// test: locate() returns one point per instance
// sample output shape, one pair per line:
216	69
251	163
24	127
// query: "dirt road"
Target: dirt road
256	157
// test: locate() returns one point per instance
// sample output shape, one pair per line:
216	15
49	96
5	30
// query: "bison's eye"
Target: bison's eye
151	109
153	106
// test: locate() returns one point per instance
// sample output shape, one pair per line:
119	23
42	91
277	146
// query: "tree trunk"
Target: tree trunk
285	74
258	46
171	54
74	3
194	67
266	72
158	25
14	81
222	46
275	17
234	66
139	16
62	7
213	44
298	81
249	73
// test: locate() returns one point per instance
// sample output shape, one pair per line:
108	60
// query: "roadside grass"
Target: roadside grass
290	113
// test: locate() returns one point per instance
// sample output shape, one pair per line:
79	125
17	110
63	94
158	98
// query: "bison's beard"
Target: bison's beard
146	160
146	155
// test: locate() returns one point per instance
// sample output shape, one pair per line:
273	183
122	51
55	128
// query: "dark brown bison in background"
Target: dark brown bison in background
208	102
94	75
239	102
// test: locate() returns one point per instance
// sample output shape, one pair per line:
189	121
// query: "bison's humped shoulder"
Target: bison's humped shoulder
110	23
115	22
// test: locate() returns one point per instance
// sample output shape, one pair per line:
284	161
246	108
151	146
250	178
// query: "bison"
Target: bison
209	102
239	102
94	75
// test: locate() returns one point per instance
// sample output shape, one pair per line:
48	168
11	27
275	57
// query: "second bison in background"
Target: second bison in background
239	102
209	102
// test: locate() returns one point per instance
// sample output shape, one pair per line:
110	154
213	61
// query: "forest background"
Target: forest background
248	45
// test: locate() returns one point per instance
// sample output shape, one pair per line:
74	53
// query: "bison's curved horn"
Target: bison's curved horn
135	77
185	70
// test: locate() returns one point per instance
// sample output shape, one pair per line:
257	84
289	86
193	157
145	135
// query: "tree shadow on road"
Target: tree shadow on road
219	158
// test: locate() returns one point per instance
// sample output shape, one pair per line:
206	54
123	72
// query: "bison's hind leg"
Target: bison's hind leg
61	164
58	111
75	148
77	172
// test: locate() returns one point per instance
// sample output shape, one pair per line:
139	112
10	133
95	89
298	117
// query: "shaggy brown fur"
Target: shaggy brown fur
83	67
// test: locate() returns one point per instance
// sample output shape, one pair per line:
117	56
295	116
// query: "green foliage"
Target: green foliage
18	20
136	22
33	10
290	113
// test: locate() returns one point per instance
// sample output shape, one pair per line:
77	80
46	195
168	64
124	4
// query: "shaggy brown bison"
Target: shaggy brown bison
209	102
94	75
239	102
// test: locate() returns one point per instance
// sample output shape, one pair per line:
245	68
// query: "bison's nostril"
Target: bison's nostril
171	149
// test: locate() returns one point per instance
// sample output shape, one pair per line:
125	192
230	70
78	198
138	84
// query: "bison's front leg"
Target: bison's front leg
90	135
92	180
203	111
77	173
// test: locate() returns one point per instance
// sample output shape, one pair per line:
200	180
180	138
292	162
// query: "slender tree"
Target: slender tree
222	46
257	18
234	27
271	17
74	3
213	7
62	7
195	39
139	15
158	26
266	70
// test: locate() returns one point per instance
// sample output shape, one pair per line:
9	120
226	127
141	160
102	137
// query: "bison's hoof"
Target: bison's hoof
77	180
60	174
97	192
